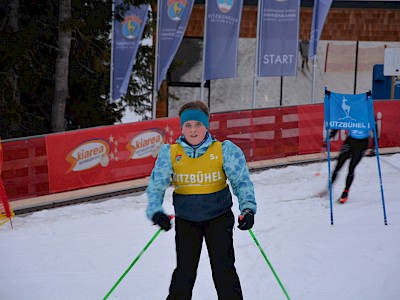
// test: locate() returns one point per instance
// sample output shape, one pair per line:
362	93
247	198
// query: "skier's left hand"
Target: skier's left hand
162	220
246	220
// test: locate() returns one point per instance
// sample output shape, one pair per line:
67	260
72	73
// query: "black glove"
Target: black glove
162	220
246	220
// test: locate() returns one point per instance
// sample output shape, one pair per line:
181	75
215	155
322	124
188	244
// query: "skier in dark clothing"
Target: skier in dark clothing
354	147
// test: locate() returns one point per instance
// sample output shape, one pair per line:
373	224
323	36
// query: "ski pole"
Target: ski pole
268	262
135	260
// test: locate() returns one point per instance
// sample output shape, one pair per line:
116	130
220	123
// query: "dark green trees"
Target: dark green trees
38	42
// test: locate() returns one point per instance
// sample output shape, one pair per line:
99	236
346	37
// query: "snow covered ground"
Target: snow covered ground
79	252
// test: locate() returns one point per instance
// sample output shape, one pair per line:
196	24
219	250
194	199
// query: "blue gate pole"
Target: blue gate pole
380	176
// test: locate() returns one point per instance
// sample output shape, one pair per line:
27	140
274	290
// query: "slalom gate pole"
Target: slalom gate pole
380	176
329	176
135	260
268	262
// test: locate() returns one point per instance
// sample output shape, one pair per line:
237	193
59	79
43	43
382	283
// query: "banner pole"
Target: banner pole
313	79
204	51
112	50
380	178
327	120
255	79
371	112
314	45
155	75
329	175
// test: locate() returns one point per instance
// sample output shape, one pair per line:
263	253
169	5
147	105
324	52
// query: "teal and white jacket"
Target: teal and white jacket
234	165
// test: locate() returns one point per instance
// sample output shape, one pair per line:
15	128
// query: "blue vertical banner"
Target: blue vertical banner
348	112
320	12
222	38
126	39
174	17
354	113
278	38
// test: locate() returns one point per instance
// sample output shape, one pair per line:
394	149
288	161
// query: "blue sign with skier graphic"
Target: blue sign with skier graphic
349	112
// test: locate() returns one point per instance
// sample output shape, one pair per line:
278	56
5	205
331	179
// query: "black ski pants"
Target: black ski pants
354	148
217	234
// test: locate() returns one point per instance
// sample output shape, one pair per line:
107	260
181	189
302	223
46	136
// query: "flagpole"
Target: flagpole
112	50
315	48
204	52
313	79
255	79
155	75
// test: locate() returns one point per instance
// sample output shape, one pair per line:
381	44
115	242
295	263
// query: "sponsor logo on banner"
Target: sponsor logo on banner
347	121
346	109
225	5
146	143
89	155
131	27
176	9
126	40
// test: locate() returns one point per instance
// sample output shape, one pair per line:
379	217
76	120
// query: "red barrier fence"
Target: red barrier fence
78	159
25	171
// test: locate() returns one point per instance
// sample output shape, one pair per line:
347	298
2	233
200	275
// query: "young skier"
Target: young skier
199	167
354	146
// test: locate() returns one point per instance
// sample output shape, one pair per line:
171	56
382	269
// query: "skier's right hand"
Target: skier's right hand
162	220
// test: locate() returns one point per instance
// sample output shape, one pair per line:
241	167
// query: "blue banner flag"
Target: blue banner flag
278	38
349	112
126	39
321	9
222	37
174	17
354	113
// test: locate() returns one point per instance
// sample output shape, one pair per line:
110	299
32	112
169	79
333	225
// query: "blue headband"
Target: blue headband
194	115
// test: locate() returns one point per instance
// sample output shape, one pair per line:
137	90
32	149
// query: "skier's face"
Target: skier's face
194	132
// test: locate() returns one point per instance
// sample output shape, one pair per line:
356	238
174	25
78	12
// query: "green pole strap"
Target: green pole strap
133	263
269	264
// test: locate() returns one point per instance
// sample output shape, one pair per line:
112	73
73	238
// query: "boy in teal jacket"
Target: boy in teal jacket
199	166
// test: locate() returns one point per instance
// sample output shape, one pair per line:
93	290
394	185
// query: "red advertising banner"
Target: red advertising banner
311	128
387	116
79	159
